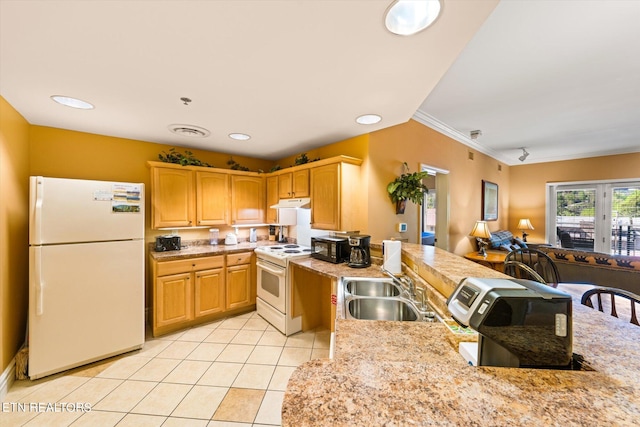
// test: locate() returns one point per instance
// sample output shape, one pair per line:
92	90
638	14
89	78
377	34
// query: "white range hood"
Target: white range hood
304	202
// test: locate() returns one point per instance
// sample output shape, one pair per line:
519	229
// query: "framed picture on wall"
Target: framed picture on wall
489	201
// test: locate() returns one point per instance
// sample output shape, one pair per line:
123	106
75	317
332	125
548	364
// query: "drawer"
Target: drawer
239	258
165	268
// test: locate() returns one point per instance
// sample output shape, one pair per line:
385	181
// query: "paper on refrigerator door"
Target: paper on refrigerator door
392	258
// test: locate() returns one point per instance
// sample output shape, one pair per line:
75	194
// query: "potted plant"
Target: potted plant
407	186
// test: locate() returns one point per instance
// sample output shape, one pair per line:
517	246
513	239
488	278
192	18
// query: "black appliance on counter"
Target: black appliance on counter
360	254
330	249
167	243
520	323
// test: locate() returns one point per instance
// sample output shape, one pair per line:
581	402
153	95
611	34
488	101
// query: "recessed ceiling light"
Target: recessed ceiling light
72	102
408	17
239	136
368	119
189	130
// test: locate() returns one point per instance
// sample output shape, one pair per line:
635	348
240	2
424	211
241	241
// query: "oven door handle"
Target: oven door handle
265	267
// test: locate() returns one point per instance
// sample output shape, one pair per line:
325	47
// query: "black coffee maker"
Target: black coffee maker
360	256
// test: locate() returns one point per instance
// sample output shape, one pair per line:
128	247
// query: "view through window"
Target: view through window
601	217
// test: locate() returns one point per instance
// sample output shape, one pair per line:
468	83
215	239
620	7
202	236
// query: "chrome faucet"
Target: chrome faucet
404	282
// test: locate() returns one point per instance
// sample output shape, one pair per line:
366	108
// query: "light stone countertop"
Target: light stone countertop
407	373
202	248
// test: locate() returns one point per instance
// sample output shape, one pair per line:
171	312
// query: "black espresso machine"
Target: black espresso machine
520	323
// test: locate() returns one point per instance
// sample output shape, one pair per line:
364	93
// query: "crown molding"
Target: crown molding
437	125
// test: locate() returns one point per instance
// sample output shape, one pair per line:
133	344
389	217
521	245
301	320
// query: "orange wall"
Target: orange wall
415	143
528	184
14	231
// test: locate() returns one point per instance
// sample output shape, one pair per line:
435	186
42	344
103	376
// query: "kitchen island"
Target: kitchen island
407	373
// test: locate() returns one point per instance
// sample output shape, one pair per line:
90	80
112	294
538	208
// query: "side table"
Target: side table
494	260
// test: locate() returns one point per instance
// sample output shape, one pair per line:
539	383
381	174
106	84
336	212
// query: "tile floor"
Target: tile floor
229	373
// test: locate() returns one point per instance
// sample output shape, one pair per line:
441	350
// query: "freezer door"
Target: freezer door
71	210
86	303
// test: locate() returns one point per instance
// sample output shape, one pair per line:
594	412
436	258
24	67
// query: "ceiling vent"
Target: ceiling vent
189	130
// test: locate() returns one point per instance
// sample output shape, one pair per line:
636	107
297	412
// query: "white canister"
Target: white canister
392	256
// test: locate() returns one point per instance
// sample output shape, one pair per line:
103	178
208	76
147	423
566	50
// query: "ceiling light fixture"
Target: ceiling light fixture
474	134
368	119
72	102
408	17
189	130
524	156
239	136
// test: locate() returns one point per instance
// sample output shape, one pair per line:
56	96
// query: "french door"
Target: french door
595	216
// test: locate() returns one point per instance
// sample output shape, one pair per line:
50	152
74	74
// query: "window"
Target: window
595	216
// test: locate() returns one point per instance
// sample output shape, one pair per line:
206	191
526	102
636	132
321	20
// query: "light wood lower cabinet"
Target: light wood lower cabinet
240	280
196	290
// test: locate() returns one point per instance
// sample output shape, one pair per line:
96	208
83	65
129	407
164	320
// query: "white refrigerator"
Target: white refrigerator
86	272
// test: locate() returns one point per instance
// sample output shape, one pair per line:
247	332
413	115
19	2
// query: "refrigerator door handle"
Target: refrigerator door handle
38	281
37	190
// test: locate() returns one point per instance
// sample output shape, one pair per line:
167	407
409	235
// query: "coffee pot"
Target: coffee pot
360	256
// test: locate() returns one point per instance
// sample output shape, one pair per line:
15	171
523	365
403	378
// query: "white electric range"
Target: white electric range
274	285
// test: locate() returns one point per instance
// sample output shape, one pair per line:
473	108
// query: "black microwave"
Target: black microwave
330	249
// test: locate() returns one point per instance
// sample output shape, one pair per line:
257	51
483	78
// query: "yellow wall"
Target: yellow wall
528	184
68	154
14	231
415	143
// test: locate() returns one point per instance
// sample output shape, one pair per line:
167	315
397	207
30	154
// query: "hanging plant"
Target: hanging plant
407	186
186	159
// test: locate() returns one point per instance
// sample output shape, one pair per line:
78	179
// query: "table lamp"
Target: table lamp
480	232
525	224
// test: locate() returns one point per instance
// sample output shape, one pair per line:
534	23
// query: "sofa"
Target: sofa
615	271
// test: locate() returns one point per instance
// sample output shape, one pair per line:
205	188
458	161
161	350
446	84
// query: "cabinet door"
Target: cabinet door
174	301
238	286
325	197
172	198
247	200
209	292
284	186
272	199
300	184
212	198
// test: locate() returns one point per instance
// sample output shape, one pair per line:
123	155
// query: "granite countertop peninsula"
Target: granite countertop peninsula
409	373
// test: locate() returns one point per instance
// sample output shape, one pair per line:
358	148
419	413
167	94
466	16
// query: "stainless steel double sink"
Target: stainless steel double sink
380	299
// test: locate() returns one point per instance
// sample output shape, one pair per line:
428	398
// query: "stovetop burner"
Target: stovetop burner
291	246
275	248
292	251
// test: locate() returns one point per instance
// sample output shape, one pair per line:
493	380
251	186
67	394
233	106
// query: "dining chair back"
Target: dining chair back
540	262
611	301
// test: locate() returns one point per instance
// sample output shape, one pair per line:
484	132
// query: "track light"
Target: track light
524	156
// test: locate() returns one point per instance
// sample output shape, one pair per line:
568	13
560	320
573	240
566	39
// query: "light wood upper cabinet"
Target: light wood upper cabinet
336	197
247	200
212	198
172	198
272	199
293	184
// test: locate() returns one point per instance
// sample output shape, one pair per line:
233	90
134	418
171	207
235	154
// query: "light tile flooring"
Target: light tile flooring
229	373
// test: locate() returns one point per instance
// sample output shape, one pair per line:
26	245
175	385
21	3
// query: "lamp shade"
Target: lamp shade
525	224
481	230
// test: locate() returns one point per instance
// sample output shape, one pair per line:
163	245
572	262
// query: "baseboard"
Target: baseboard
7	378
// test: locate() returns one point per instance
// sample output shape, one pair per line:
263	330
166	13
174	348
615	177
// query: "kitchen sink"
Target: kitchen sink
372	288
381	309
